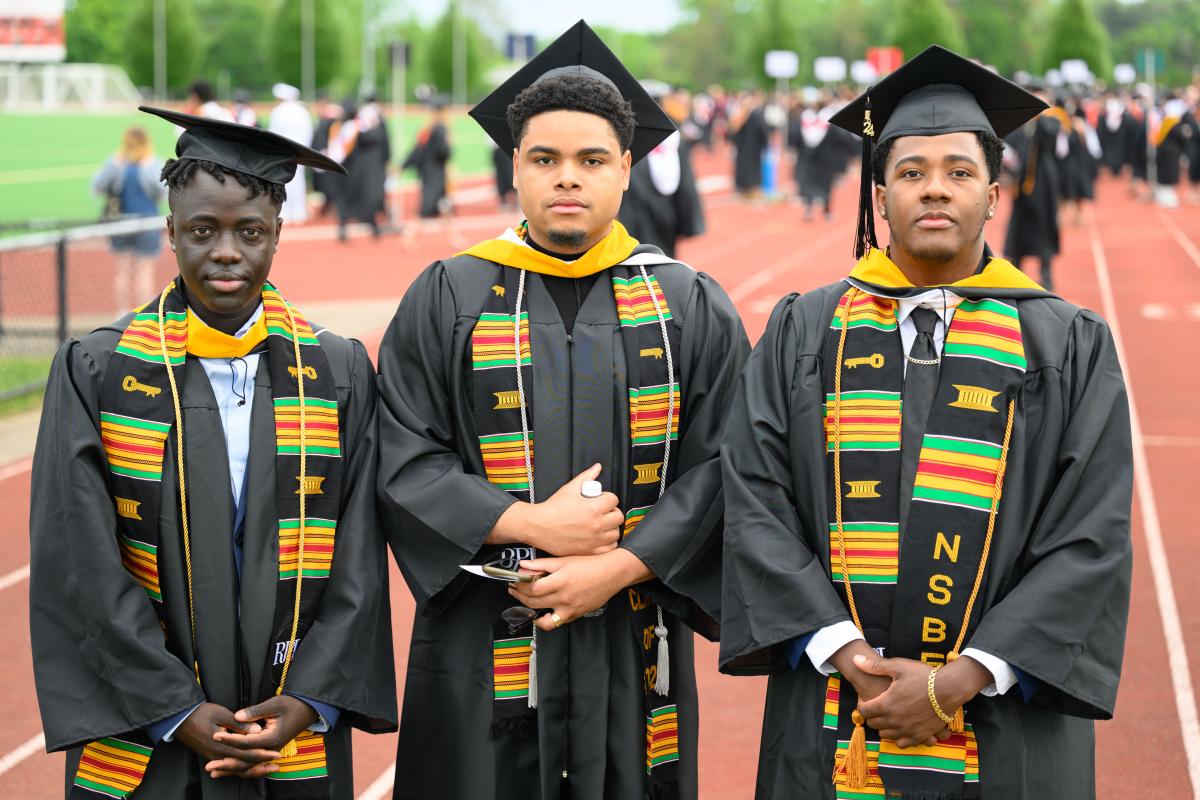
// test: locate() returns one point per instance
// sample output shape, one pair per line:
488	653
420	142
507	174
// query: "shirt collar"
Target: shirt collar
940	301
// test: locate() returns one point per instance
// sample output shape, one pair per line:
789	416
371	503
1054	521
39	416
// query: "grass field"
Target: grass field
47	160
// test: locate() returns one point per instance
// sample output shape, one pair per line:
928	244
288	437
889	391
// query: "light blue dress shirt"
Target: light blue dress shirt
232	381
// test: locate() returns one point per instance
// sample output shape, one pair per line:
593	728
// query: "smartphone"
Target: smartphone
510	575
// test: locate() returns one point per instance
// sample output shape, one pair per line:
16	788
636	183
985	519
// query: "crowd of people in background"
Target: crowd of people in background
781	147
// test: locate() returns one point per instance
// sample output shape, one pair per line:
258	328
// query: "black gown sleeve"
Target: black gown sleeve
101	665
680	539
1064	621
435	514
346	658
775	586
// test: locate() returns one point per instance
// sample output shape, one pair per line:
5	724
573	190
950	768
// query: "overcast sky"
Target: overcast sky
548	18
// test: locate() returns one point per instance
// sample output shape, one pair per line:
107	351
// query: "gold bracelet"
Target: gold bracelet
937	709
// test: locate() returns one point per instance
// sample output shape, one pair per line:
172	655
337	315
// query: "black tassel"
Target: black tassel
518	727
864	238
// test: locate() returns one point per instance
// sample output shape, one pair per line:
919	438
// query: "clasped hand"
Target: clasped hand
244	744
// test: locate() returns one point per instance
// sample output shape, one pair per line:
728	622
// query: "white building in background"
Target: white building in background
33	77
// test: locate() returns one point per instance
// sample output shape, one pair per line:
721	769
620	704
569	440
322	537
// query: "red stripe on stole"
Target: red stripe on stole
670	733
504	462
972	474
511	669
857	551
151	450
178	338
109	766
892	420
308	548
990	328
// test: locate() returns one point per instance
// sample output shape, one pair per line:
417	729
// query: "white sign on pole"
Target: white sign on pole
1125	73
830	69
863	72
1075	70
1054	78
781	64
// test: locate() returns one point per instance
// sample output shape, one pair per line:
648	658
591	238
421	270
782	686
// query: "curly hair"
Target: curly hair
177	172
993	154
573	93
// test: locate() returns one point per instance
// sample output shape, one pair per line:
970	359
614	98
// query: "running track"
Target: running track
1138	266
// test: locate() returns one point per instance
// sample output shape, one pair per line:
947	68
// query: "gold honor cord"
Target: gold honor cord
183	507
290	749
855	764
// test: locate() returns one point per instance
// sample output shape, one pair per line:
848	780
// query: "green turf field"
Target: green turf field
47	160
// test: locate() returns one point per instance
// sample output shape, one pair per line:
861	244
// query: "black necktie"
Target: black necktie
920	385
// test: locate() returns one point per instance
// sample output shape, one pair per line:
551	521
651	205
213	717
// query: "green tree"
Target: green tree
439	54
1168	26
1002	34
1076	32
95	31
712	45
920	23
328	42
184	43
779	26
237	42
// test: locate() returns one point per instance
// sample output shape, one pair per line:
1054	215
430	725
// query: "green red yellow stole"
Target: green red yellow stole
139	413
911	585
502	369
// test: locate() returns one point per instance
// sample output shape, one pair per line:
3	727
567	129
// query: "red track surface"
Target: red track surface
759	253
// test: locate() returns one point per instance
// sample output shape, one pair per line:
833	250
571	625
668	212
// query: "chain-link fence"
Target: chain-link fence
57	285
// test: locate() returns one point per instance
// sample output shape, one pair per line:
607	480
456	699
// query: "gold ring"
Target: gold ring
556	619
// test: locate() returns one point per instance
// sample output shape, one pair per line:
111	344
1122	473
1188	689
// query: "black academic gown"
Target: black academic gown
101	664
429	159
819	165
1056	594
1171	151
662	219
437	510
749	141
1033	227
359	195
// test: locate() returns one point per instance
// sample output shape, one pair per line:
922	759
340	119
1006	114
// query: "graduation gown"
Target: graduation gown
359	195
1056	592
750	140
429	159
1033	227
101	663
663	219
437	508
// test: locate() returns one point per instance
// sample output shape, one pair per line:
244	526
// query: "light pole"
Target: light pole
160	50
460	54
308	66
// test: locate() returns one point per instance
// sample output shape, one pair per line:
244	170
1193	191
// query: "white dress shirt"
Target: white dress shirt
830	639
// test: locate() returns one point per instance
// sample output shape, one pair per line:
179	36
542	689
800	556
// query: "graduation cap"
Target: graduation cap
936	92
579	51
242	148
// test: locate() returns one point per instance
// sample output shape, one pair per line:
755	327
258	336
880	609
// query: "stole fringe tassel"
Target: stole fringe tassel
662	683
533	669
858	771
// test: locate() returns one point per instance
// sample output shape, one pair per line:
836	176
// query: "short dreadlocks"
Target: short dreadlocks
177	172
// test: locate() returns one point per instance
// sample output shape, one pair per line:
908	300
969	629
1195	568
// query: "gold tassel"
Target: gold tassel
957	726
288	750
858	771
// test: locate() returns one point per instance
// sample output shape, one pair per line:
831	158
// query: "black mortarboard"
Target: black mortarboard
579	51
241	148
935	92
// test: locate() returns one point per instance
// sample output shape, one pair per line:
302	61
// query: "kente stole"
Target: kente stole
139	412
506	441
911	585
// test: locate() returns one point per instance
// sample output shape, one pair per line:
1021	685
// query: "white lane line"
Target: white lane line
15	468
14	577
382	786
34	745
784	265
1188	246
1171	441
1177	659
